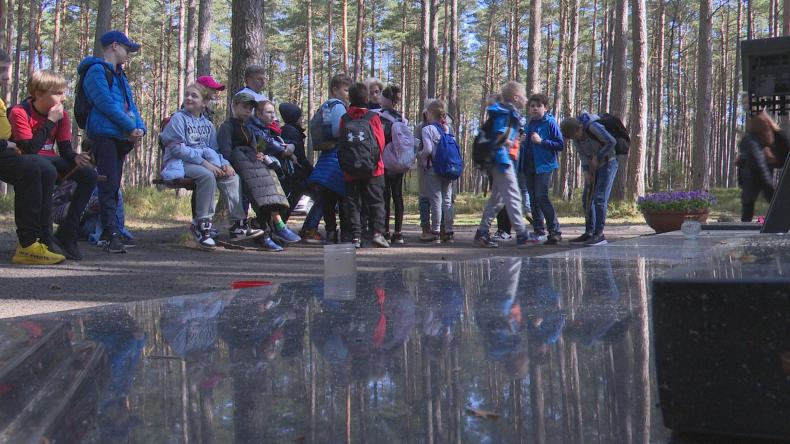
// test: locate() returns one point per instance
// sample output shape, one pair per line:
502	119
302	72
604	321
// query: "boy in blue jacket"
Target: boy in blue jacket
114	125
505	192
537	162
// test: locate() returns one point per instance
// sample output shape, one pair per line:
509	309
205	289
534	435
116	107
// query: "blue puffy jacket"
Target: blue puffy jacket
504	115
327	172
116	114
543	155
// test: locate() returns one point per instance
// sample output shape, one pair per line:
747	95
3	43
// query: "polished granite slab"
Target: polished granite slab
554	349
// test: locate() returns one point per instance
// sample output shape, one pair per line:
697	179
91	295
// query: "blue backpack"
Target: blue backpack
446	159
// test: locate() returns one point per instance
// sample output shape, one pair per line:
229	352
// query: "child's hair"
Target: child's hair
44	80
570	127
510	89
339	81
204	92
4	56
253	70
358	94
372	81
263	103
436	109
392	93
540	98
763	127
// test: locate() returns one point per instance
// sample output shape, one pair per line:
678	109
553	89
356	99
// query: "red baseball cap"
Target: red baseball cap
209	82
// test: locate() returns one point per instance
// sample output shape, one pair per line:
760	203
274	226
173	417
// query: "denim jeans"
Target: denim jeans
110	154
595	217
315	214
538	188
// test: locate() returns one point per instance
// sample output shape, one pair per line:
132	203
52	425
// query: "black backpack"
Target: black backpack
615	127
82	105
358	152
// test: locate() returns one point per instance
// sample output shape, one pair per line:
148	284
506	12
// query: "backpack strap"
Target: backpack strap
25	105
369	115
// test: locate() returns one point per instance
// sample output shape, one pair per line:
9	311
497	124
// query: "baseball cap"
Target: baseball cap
110	37
244	97
209	82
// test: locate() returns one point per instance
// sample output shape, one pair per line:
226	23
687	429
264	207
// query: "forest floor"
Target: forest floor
166	264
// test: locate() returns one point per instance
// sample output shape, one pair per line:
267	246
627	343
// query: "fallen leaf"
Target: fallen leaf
482	414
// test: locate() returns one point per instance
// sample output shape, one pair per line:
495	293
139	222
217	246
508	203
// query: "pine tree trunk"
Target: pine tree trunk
345	35
205	22
191	38
432	47
562	47
360	37
569	90
533	52
445	67
8	32
702	118
17	53
373	39
591	78
32	36
247	37
618	98
182	49
638	122
168	53
55	56
658	111
488	65
310	83
329	69
126	16
424	50
103	24
453	76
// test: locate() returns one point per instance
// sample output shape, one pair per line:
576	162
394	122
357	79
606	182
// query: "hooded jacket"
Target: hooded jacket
295	134
113	112
504	116
187	138
595	141
542	157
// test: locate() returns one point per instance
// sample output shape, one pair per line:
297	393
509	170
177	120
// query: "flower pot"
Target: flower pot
664	222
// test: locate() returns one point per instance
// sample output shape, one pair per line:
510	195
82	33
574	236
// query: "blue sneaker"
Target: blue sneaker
285	235
524	239
268	244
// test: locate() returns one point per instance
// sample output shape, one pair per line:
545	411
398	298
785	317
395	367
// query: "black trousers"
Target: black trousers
329	201
367	193
33	178
85	177
503	222
393	191
752	185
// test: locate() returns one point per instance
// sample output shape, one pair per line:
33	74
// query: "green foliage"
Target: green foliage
150	203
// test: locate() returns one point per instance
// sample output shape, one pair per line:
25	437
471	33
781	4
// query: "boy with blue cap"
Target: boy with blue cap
113	124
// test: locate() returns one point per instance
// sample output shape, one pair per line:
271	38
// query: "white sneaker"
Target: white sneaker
501	236
201	232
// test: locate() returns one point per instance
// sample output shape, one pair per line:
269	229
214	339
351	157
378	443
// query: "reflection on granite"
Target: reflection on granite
550	349
722	340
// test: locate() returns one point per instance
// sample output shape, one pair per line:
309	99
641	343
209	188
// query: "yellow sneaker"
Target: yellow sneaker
36	254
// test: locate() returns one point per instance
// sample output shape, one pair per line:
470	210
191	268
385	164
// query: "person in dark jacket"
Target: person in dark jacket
755	175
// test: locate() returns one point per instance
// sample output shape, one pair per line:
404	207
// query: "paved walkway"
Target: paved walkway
163	266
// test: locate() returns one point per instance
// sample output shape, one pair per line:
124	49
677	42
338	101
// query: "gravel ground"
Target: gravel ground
164	264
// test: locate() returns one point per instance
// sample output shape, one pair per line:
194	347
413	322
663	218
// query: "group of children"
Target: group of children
365	146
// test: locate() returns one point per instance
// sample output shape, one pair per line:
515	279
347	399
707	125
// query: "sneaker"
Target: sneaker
553	239
311	236
397	238
484	240
387	236
581	239
128	242
111	244
36	254
429	236
379	241
596	239
502	236
268	244
522	240
201	232
67	244
241	230
448	237
357	243
286	236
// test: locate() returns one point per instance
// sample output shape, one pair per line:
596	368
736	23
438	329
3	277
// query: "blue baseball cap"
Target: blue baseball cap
110	37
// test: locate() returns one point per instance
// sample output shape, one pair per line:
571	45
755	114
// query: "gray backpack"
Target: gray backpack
321	126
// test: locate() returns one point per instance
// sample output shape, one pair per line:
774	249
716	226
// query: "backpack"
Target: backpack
446	158
358	152
615	127
321	126
484	146
399	154
82	105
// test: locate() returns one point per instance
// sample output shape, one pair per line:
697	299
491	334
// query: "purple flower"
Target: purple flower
678	201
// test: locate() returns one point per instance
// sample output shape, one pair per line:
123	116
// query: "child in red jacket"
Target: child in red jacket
367	190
